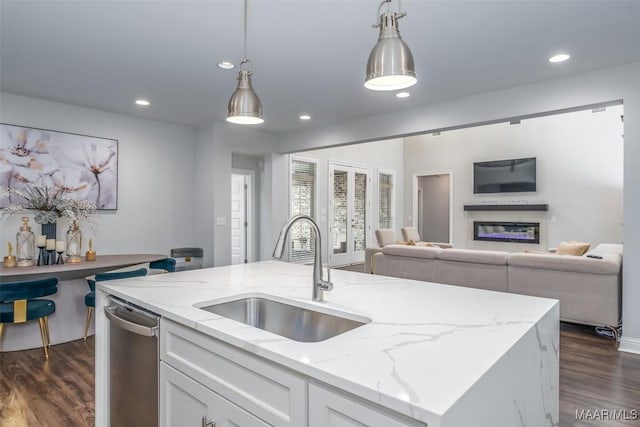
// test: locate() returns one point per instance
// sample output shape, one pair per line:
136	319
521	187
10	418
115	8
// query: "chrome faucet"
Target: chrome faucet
319	284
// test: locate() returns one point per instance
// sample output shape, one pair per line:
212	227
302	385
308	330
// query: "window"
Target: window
303	202
385	200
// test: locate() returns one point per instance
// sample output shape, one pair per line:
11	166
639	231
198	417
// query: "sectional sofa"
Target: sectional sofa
589	289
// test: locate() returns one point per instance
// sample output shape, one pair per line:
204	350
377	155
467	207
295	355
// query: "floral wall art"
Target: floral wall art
83	167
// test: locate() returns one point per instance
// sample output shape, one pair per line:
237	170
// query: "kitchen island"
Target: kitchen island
432	354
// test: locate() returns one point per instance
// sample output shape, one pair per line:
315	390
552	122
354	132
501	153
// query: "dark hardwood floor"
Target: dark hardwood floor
59	392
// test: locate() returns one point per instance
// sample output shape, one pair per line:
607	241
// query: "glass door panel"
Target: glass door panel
340	211
349	224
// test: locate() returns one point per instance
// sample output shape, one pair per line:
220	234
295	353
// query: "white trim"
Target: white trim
629	345
414	196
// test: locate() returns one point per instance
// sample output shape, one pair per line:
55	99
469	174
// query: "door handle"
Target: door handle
211	423
136	328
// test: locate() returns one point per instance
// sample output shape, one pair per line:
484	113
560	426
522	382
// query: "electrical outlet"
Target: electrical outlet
221	220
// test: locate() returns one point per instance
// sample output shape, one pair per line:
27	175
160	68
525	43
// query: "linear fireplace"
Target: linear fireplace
511	232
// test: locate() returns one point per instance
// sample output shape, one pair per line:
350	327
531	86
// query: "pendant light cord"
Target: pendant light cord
244	46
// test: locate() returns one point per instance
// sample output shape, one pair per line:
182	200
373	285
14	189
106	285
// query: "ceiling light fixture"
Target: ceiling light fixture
403	95
143	102
305	117
226	65
390	65
245	107
559	57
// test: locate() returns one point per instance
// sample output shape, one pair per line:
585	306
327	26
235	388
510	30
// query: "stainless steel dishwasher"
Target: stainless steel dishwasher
133	365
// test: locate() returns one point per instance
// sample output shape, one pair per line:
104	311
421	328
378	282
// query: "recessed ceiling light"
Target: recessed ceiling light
305	117
143	102
403	95
226	65
559	57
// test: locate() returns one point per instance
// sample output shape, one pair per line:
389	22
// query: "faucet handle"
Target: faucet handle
326	285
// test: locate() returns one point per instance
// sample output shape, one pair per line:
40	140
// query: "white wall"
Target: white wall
382	155
618	83
579	167
155	174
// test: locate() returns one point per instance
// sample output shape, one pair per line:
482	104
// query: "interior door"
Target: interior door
350	213
238	219
433	210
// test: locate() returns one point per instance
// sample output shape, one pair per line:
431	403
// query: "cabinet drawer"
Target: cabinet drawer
184	403
328	408
260	387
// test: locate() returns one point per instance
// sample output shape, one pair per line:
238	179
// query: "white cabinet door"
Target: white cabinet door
331	409
184	402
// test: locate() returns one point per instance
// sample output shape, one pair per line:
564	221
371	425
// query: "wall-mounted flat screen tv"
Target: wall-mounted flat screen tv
505	176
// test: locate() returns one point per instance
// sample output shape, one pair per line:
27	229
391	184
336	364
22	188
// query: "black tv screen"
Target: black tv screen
505	176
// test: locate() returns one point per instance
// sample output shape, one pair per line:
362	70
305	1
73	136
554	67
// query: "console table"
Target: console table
67	323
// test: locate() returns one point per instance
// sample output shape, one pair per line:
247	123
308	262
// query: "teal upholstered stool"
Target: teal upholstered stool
20	302
90	298
167	264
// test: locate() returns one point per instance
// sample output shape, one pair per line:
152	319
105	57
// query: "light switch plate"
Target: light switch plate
221	220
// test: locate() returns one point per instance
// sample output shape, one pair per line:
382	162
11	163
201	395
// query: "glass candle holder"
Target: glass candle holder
73	240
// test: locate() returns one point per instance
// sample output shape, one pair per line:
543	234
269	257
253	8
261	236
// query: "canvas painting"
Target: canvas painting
86	167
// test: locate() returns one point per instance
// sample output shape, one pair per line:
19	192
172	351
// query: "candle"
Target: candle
59	246
51	244
41	241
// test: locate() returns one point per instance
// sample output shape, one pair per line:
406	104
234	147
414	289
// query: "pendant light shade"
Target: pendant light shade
245	107
390	65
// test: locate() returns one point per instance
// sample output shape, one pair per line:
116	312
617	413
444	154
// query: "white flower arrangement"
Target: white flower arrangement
49	204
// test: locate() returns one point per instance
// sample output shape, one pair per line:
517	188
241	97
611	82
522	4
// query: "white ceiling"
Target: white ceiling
308	56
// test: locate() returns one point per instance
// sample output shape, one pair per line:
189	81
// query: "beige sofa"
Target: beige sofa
589	289
385	237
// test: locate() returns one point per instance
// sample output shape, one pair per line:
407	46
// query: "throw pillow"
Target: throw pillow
573	248
425	244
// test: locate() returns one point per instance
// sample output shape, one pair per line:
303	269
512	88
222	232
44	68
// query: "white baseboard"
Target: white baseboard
629	345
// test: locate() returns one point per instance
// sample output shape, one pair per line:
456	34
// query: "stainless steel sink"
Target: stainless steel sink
290	321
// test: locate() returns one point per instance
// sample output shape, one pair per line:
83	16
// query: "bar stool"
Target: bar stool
188	263
167	264
20	302
90	298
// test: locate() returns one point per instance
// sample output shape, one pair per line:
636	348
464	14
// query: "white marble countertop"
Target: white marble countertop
426	345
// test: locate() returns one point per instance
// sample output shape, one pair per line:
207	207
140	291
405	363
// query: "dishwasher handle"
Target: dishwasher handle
128	325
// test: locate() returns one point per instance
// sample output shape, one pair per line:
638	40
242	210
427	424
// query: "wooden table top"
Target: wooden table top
69	271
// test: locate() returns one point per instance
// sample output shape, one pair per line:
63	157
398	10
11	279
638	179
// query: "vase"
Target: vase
73	242
49	230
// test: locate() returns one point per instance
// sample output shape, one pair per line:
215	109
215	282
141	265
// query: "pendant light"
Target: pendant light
390	65
245	107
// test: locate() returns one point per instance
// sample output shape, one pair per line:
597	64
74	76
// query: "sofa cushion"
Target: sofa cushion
475	256
573	248
412	251
609	264
385	236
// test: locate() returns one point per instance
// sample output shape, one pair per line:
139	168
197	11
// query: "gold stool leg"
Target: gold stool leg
46	328
86	324
1	326
45	344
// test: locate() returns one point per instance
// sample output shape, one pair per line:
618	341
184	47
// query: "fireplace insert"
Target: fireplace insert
511	232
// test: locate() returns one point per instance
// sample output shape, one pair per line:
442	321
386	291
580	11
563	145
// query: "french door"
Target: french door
349	213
